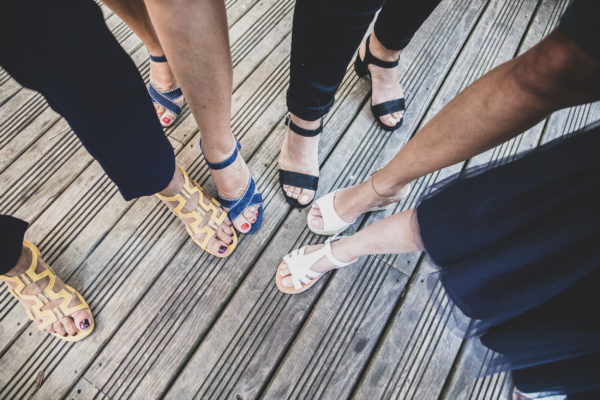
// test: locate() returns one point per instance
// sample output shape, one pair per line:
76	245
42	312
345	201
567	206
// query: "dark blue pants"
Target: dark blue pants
325	36
63	49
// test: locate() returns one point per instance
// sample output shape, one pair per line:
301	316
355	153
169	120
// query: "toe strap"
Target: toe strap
250	198
388	107
298	179
299	263
331	220
166	99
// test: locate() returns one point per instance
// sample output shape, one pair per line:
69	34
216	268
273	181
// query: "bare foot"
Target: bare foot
300	154
218	244
68	325
385	81
163	80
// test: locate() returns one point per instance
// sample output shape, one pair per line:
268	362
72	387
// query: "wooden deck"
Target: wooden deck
173	322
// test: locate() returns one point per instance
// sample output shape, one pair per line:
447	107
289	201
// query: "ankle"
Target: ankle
175	185
383	187
22	264
345	250
380	51
219	150
305	124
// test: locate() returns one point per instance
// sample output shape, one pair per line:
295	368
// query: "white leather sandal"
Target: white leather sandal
299	264
333	223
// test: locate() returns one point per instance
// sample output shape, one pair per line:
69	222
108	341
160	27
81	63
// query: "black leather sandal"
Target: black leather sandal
298	179
362	70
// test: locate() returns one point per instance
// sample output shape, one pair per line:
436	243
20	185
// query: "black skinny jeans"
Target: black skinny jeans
325	36
63	49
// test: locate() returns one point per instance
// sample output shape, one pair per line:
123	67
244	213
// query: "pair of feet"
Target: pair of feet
300	154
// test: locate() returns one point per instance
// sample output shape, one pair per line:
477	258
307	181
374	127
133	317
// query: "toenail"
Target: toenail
166	120
84	324
245	226
304	199
282	273
222	249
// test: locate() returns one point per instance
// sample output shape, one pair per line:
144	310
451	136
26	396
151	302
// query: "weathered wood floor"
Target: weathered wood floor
173	322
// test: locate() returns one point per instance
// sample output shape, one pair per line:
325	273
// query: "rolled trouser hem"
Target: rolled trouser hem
308	113
12	233
148	189
389	42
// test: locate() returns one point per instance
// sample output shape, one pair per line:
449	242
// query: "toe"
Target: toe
242	224
59	329
296	192
167	119
224	237
250	214
287	282
69	325
389	120
217	247
160	110
228	231
82	319
284	270
396	115
315	210
317	222
306	196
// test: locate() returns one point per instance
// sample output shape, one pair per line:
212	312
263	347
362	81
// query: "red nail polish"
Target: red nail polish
245	226
222	250
166	120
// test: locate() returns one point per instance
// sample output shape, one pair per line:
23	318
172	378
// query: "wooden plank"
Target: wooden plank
373	378
423	381
230	363
177	229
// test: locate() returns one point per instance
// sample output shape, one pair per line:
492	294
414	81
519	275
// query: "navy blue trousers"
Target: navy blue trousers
63	49
325	36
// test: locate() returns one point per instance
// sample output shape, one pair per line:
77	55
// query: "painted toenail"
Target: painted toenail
166	120
84	324
245	226
222	249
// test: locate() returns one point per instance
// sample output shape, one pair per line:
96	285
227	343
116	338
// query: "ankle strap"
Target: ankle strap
301	131
372	179
159	59
225	163
371	59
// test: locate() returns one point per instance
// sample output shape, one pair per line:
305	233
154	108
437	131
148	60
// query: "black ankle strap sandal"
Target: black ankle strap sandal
387	107
298	179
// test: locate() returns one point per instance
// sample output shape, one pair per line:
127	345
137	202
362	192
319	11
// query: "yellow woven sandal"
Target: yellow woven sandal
212	209
35	303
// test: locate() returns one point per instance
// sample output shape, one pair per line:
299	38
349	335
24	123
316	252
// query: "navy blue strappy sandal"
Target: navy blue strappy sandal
166	99
298	179
361	67
251	197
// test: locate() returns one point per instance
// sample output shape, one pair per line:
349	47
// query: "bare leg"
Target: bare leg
395	234
511	98
135	15
198	50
